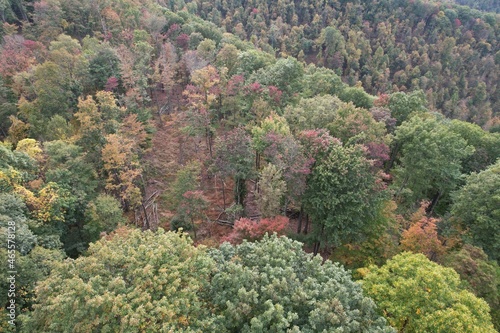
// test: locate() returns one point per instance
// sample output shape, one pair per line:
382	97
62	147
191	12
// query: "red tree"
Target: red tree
254	230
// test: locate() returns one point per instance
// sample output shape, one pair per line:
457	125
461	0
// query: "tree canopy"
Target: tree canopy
417	295
151	282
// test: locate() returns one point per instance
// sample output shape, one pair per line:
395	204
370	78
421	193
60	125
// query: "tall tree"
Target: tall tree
234	158
342	196
476	209
430	164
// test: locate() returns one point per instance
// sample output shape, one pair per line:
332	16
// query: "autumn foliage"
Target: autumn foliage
422	236
251	230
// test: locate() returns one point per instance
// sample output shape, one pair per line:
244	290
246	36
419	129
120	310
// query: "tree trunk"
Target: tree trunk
316	248
194	228
307	224
210	143
223	194
239	191
299	225
146	219
434	202
394	154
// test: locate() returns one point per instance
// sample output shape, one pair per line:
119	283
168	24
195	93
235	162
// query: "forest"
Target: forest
250	166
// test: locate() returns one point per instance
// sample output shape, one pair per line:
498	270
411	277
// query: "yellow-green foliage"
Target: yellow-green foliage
417	295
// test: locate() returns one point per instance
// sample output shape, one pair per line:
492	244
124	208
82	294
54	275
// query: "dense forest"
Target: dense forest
250	166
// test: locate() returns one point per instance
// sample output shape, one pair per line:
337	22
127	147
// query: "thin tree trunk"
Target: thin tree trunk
394	154
257	161
194	228
223	194
316	247
318	243
299	225
210	139
146	219
307	224
434	202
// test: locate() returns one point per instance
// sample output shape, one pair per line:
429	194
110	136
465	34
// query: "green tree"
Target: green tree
19	165
486	145
417	295
430	164
7	107
357	96
342	196
274	286
332	48
13	218
480	275
320	81
187	179
234	158
313	113
228	57
66	166
103	214
272	189
103	65
403	105
476	209
252	60
132	281
191	209
31	269
286	74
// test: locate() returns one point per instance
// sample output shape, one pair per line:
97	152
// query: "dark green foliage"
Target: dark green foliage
342	196
430	162
102	66
476	208
67	167
103	214
7	107
273	286
19	162
31	269
144	281
486	145
403	105
357	96
13	217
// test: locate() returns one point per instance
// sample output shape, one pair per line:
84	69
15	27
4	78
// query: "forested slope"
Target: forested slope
485	5
367	130
449	51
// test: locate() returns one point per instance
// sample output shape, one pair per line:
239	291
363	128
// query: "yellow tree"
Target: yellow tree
120	156
202	96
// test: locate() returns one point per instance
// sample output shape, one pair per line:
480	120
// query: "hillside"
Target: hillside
362	133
